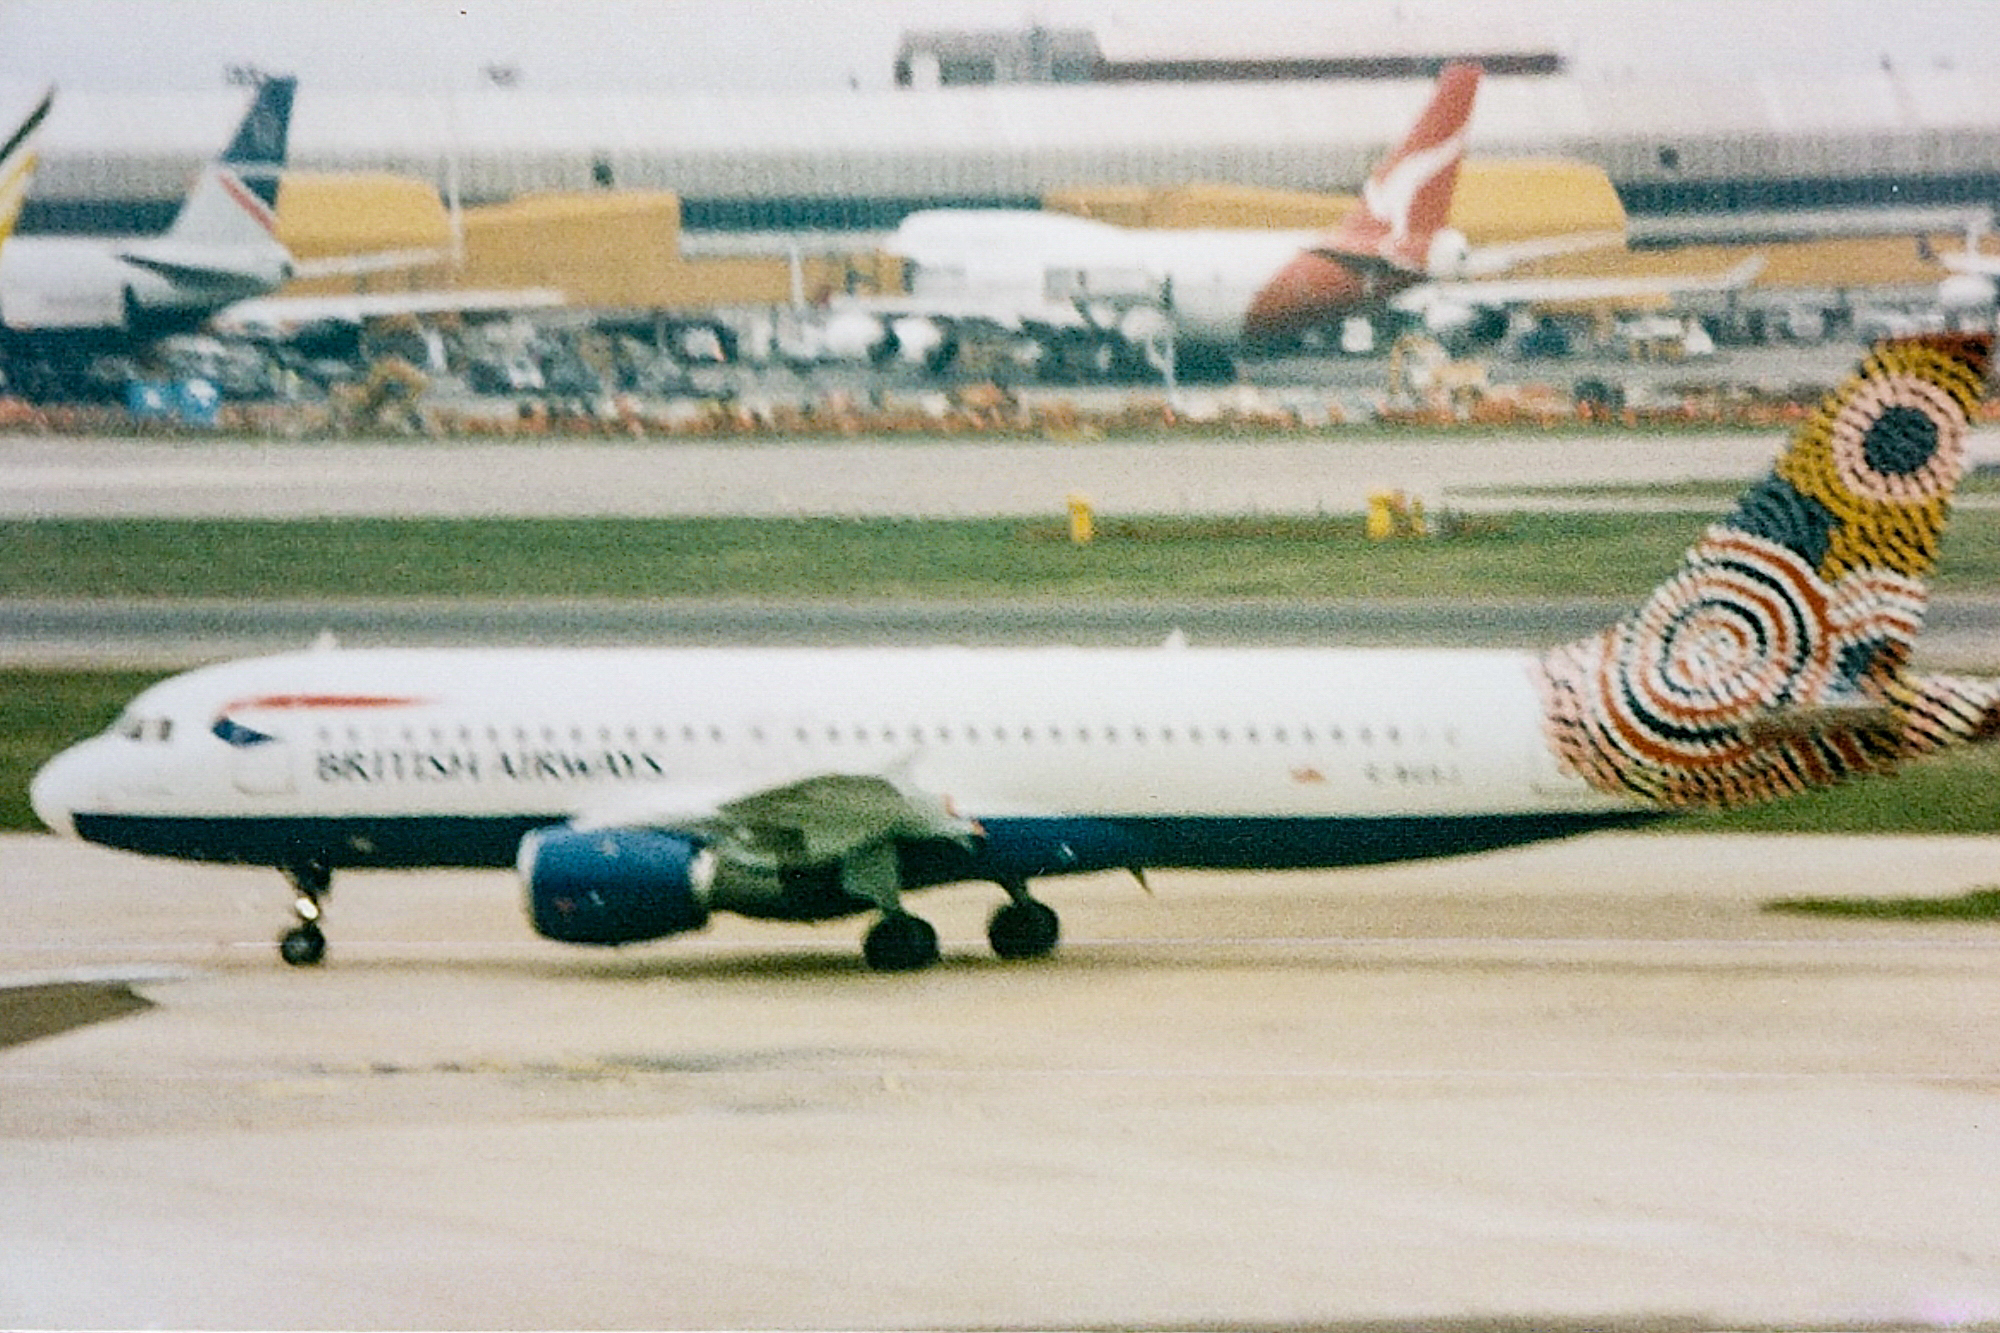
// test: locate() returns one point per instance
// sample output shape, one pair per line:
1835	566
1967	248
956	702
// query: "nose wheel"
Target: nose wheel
304	945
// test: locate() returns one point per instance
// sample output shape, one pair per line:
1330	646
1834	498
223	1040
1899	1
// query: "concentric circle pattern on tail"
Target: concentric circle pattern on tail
1774	659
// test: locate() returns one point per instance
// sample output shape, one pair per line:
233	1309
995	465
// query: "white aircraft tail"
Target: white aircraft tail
1406	201
1776	659
233	206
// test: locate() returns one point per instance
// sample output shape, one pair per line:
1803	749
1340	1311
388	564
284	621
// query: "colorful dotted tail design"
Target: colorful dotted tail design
1775	659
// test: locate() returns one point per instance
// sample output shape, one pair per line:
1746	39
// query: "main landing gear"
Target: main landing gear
304	945
1022	928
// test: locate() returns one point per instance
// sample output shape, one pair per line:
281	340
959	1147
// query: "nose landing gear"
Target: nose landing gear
304	945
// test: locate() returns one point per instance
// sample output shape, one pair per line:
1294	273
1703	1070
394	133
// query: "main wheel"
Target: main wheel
1023	930
303	946
900	942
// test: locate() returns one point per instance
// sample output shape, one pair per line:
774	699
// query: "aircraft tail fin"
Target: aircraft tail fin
1776	658
17	164
234	202
1406	200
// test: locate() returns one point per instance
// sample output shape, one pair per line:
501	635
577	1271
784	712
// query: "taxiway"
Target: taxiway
1591	1081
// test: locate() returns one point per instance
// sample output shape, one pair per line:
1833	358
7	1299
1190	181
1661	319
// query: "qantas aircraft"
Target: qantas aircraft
1193	298
639	791
65	299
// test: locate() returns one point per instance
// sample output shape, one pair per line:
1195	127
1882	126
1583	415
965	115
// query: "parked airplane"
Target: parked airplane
1097	297
67	299
638	791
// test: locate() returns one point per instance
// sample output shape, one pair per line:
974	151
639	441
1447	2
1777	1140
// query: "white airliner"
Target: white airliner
64	298
1196	297
638	791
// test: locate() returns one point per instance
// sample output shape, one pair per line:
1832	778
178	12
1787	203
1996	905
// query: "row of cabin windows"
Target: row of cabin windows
1052	733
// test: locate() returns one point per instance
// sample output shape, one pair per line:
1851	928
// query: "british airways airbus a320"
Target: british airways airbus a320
639	791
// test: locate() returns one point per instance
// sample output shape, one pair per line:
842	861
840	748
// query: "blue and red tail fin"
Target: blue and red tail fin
1776	658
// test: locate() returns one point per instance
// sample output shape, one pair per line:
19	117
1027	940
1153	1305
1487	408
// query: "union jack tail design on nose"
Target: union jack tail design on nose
1776	657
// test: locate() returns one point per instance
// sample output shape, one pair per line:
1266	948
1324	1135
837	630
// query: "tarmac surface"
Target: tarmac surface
49	477
1589	1084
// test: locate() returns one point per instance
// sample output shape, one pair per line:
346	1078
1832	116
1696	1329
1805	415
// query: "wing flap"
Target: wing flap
816	820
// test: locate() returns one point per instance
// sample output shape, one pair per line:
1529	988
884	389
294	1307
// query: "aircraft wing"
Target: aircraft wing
276	316
374	261
1498	292
1490	259
814	820
1971	261
994	312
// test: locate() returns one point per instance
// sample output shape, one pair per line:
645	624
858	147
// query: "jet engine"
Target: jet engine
1450	255
856	335
614	886
1966	292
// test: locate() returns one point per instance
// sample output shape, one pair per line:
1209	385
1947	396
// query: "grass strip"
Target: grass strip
1975	905
1520	555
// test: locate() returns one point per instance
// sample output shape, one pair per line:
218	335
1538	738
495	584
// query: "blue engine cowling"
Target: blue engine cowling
613	886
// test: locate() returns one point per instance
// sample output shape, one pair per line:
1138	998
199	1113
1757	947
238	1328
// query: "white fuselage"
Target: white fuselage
386	742
54	284
1210	279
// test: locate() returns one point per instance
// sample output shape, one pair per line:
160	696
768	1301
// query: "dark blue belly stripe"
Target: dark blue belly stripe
1012	849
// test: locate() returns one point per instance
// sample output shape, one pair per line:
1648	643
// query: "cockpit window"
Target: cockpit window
140	727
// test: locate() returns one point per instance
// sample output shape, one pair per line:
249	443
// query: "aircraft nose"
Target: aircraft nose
56	792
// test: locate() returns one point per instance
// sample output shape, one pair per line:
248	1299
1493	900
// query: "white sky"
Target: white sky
661	45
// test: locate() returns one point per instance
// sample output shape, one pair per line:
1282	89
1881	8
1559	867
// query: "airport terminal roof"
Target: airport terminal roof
996	141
